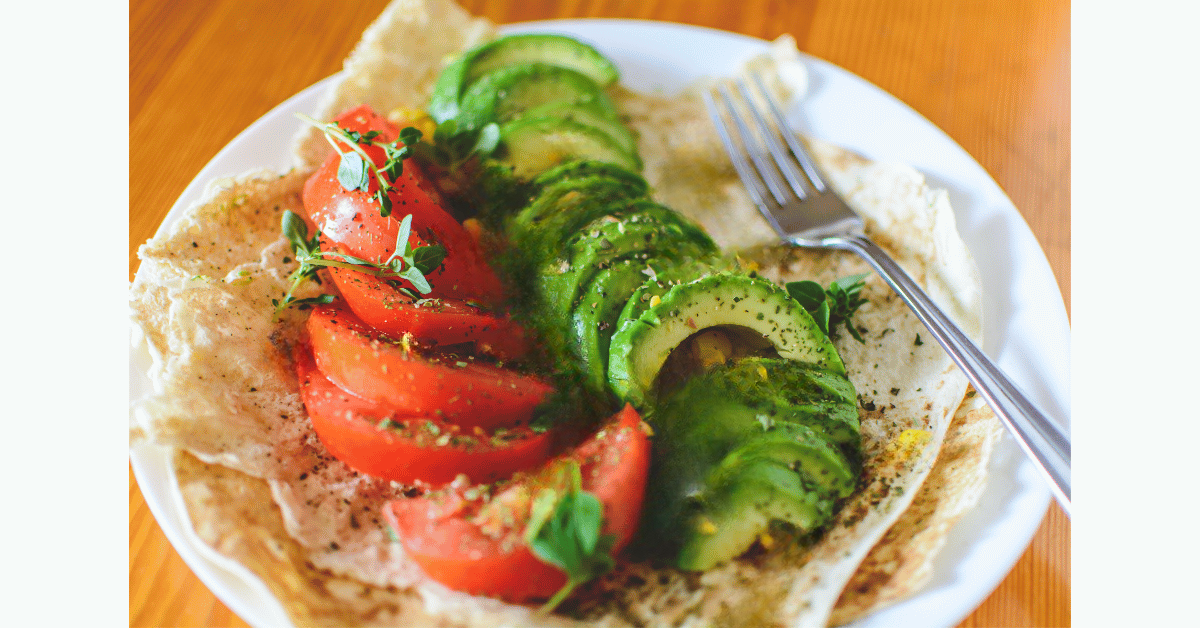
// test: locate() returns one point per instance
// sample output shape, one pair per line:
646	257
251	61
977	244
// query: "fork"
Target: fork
785	184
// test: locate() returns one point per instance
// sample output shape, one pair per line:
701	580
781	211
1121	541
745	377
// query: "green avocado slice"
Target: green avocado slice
747	492
598	307
785	391
641	346
713	456
587	114
580	168
511	50
606	240
531	146
561	209
505	93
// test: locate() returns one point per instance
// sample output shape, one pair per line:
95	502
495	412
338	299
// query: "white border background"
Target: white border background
1134	171
66	72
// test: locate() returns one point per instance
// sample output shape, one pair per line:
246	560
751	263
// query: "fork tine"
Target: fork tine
754	184
801	154
770	134
754	148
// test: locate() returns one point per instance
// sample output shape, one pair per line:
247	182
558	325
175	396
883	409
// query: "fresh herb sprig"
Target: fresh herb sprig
355	169
833	306
453	146
407	263
564	531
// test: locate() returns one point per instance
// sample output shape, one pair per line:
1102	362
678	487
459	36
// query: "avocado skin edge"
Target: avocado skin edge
641	345
709	438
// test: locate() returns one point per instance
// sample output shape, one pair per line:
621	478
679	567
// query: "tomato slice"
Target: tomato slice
397	375
614	465
352	219
410	450
471	540
433	322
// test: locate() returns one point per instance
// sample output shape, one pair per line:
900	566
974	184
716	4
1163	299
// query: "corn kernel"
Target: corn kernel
410	116
712	347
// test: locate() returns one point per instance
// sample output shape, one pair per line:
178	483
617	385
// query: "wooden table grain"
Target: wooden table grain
994	75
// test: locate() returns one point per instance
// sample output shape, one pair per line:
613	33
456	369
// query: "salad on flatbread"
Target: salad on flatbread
510	345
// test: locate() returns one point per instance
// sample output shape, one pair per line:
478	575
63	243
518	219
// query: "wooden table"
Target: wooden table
993	75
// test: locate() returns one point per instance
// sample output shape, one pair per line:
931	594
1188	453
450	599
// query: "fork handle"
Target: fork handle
1042	439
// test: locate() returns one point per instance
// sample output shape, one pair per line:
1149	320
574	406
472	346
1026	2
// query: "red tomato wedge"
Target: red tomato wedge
475	544
414	450
352	219
363	119
410	383
433	322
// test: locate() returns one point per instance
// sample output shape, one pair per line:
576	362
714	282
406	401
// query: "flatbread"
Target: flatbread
260	489
396	62
901	563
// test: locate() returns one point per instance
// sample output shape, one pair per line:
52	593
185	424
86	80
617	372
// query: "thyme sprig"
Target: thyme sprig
356	168
833	306
406	262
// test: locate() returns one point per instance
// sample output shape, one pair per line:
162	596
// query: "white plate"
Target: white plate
1024	318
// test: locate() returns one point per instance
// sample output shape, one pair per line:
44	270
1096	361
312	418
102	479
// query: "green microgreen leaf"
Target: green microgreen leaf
810	294
588	515
417	279
540	512
564	530
428	258
821	316
834	306
360	138
410	135
405	263
296	231
352	172
402	234
356	166
385	203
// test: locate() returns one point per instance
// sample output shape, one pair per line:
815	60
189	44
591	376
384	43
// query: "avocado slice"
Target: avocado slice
606	240
501	193
745	494
505	93
721	471
533	145
786	391
511	50
729	517
600	302
559	223
561	209
641	346
580	168
590	115
627	252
